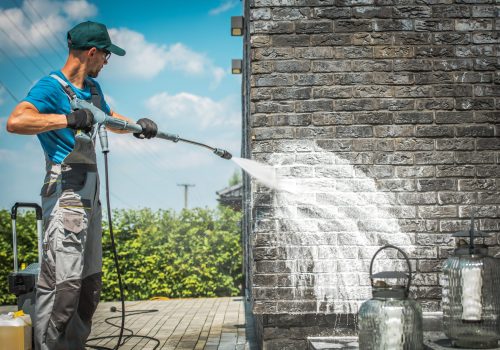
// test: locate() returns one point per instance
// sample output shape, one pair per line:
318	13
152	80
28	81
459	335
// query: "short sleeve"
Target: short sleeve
46	96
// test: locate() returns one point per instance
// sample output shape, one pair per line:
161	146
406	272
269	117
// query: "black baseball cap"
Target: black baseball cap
92	34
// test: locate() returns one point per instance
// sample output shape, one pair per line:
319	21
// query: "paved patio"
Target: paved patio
180	324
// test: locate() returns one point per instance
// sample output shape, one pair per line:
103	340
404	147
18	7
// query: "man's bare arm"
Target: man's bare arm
25	119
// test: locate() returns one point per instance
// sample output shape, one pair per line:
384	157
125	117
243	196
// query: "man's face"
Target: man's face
99	58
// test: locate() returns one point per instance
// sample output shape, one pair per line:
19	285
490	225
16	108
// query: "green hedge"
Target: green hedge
162	254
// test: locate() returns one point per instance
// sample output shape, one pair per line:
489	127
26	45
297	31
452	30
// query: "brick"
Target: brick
260	14
262	67
479	211
413	144
488	198
259	41
451	11
394	131
354	105
413	91
332	92
473	24
486	38
313	27
395	185
257	94
374	171
474	51
326	132
313	106
452	64
276	53
488	144
330	39
273	107
488	171
335	145
434	78
329	118
433	157
370	12
434	25
483	11
486	117
331	66
433	185
290	40
372	66
416	198
397	104
372	118
434	51
475	157
454	117
357	25
291	93
373	91
312	79
451	39
455	144
396	158
371	39
313	52
455	171
413	65
269	27
273	80
353	78
354	131
412	11
289	119
477	185
332	12
444	211
457	198
452	90
486	64
292	66
475	131
412	38
434	104
393	78
289	14
413	118
434	131
355	52
387	25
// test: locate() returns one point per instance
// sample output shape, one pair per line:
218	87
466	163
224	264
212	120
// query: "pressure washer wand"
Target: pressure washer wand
120	124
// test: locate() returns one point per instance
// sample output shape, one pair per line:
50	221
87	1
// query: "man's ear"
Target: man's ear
91	52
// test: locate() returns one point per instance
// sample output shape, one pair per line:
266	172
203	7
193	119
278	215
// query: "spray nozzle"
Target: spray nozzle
223	153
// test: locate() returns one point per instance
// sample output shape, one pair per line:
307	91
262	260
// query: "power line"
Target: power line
24	53
64	45
15	65
28	39
9	92
35	27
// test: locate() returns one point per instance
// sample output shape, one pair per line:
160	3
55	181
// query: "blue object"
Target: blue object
48	96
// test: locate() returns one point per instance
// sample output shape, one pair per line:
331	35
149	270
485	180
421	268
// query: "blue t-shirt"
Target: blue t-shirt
48	97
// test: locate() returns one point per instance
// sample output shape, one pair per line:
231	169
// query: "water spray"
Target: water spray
104	119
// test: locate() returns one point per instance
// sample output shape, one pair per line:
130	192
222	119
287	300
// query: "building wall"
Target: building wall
402	96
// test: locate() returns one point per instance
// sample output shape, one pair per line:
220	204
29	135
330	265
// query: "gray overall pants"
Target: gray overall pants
69	284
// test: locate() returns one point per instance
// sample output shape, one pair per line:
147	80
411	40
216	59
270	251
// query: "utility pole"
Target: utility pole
186	186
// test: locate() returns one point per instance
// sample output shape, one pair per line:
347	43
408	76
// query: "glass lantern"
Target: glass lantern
390	320
471	295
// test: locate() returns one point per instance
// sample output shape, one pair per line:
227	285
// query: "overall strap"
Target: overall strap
67	89
94	92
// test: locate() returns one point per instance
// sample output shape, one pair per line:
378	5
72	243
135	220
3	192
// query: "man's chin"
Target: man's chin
93	74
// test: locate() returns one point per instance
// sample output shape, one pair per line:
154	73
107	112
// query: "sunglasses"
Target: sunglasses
107	54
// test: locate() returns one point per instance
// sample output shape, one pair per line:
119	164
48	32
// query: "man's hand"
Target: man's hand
81	119
149	128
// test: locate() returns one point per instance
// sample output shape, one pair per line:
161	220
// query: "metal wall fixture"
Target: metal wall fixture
236	25
236	66
470	299
390	320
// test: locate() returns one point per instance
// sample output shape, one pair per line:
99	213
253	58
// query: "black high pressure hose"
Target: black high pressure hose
103	137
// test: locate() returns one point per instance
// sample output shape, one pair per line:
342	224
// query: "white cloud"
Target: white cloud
79	9
199	111
146	59
225	6
22	27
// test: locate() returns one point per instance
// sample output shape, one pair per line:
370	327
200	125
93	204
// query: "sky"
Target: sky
176	72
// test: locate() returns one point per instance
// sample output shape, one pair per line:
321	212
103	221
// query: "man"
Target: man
70	278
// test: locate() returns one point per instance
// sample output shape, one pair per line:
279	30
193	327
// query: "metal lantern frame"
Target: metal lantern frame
391	320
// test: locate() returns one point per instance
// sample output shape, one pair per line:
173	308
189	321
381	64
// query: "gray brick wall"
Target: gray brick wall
405	91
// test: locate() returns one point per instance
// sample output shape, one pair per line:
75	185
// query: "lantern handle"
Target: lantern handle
407	291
